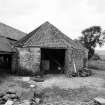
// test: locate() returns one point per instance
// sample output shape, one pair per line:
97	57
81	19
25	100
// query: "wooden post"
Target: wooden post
75	70
74	64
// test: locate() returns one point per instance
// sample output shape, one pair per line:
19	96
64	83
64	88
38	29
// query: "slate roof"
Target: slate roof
5	45
47	35
10	32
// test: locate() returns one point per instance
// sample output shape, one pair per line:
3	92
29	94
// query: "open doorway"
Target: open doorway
52	60
5	62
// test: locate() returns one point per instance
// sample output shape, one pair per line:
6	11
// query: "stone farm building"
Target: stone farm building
48	50
8	36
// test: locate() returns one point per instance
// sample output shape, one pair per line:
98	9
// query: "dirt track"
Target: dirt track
74	83
57	88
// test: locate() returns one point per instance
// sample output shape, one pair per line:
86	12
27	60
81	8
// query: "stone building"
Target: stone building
8	36
48	50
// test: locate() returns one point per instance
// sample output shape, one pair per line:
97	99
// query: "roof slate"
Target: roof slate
5	45
10	32
46	35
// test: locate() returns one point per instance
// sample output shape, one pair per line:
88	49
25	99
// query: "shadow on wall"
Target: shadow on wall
27	72
24	72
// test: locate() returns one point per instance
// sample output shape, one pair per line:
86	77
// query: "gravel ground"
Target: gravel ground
57	88
74	83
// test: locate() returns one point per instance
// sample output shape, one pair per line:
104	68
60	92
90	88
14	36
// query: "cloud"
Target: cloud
67	4
70	16
97	5
17	7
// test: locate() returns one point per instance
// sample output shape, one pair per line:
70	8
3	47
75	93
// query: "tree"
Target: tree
91	37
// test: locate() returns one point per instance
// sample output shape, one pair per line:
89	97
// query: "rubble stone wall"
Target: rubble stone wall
29	59
74	57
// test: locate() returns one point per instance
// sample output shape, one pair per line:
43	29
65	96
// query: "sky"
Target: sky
70	16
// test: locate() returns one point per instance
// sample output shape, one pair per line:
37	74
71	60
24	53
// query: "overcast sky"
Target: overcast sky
70	16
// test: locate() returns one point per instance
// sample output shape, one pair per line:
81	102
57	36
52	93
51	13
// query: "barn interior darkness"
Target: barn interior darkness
52	60
5	62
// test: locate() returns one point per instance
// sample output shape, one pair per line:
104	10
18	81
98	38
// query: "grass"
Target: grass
58	88
96	64
57	94
81	95
76	89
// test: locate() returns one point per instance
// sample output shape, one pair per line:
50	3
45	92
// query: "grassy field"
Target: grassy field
96	64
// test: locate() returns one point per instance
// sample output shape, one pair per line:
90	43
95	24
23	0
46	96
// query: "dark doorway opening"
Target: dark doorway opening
52	60
5	62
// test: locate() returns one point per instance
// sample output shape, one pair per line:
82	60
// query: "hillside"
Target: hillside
100	52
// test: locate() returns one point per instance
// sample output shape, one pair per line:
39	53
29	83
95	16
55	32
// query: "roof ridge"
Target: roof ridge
11	27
